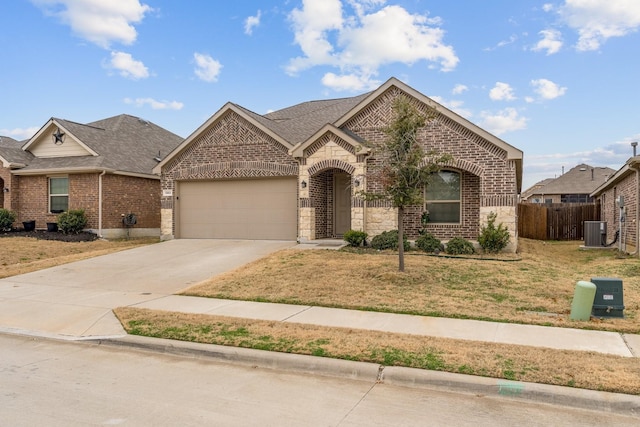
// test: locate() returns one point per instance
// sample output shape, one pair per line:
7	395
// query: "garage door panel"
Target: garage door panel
238	209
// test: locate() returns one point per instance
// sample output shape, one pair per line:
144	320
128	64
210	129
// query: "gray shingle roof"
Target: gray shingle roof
578	180
123	143
11	151
297	123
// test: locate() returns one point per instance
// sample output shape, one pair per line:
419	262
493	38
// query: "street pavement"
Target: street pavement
75	301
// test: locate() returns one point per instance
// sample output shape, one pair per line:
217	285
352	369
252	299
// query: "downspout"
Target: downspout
100	203
637	169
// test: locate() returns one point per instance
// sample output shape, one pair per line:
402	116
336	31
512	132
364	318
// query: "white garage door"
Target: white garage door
257	209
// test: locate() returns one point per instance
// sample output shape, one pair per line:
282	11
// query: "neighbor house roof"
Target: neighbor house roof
122	143
11	153
581	179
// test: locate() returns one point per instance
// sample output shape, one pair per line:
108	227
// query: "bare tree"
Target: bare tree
405	167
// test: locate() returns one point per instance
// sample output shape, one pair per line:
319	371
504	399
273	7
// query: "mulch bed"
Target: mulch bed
83	236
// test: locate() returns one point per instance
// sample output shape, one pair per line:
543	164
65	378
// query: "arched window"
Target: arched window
444	197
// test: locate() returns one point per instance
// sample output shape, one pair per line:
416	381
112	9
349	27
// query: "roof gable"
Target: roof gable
512	152
55	139
262	123
358	147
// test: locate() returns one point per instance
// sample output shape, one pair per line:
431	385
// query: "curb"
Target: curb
623	404
254	358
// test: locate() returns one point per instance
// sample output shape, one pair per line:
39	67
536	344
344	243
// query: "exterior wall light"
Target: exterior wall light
5	189
357	182
303	184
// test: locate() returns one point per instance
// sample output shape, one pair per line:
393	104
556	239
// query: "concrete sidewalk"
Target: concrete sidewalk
626	345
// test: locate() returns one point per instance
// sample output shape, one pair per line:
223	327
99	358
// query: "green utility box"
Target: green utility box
609	300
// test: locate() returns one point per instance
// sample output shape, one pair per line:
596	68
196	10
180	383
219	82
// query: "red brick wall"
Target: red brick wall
121	195
610	212
126	194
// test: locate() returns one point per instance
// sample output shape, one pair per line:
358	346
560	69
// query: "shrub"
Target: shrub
429	243
460	246
355	238
388	240
7	218
493	239
72	221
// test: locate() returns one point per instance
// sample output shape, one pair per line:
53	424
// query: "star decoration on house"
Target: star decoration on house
58	137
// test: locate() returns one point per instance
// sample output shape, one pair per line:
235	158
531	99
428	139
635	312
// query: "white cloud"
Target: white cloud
207	68
547	7
598	20
547	89
504	121
251	22
100	22
501	92
20	133
349	82
459	88
155	105
551	41
368	38
127	66
502	43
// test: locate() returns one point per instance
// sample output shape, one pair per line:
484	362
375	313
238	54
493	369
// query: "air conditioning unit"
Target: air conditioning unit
595	233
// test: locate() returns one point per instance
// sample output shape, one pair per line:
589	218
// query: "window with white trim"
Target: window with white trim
443	197
58	194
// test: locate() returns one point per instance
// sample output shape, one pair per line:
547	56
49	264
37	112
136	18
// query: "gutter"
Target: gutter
100	202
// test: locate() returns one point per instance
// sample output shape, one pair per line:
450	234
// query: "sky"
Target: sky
555	79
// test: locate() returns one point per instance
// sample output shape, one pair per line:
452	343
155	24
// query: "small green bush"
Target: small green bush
7	218
429	243
388	240
493	239
72	221
355	238
460	246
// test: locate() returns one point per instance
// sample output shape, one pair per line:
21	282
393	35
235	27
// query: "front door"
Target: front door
341	203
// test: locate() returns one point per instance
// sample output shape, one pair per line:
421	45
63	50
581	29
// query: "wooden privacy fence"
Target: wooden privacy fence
555	221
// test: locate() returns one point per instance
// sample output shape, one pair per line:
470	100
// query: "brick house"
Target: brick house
295	173
618	198
104	167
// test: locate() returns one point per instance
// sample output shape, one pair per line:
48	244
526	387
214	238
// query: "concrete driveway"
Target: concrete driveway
76	299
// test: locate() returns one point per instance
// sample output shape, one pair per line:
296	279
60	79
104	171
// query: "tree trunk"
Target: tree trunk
400	239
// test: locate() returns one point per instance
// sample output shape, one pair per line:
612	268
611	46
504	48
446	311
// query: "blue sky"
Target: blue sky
556	79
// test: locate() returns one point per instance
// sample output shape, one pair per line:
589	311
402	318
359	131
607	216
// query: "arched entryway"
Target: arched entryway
330	194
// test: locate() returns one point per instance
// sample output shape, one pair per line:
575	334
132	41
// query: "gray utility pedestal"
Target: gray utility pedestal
609	301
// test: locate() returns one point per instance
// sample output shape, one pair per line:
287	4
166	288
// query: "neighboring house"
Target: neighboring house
296	173
575	186
618	198
104	167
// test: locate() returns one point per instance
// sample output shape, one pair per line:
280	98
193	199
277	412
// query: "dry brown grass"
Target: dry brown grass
560	367
538	289
19	255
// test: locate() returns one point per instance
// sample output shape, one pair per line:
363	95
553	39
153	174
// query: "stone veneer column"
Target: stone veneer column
166	224
505	215
307	225
381	219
